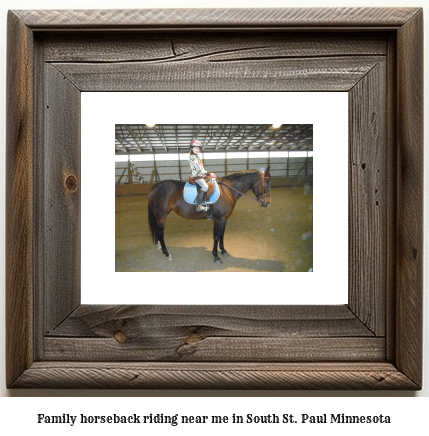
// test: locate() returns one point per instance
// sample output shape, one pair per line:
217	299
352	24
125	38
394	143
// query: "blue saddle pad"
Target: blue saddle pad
190	193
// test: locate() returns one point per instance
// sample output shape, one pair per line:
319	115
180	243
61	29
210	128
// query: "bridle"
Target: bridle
261	197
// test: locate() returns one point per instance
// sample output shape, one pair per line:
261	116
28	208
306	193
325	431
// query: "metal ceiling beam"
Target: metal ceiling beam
122	143
134	136
175	138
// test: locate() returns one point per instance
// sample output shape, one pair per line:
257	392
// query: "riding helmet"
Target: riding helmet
196	143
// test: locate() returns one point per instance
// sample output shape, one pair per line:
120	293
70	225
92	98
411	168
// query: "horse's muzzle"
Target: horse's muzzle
263	204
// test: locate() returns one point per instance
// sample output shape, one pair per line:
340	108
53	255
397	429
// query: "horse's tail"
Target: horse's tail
152	224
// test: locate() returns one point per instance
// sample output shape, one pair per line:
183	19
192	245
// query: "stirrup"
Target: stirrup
201	195
201	208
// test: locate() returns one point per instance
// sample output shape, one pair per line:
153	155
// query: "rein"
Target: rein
242	193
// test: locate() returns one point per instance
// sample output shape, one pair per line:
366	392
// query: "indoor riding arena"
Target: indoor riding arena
257	239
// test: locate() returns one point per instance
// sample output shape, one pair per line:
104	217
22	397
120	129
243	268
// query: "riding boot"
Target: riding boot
201	196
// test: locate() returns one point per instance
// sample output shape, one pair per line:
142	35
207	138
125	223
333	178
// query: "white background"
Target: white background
328	283
19	412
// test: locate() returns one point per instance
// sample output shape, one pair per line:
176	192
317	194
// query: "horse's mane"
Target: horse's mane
234	176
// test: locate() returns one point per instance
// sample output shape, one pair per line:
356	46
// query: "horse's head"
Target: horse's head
262	188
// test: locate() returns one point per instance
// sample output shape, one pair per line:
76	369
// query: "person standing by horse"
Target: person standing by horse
198	173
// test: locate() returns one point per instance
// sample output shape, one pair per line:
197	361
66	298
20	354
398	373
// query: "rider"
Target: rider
198	174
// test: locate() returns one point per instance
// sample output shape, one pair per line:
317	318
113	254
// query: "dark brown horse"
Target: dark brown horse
167	195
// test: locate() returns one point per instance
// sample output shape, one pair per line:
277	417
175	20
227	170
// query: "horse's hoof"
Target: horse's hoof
218	262
158	246
225	253
170	257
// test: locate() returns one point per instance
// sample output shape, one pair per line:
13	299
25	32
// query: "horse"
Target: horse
167	196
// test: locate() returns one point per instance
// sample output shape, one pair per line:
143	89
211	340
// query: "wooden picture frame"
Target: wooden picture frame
373	342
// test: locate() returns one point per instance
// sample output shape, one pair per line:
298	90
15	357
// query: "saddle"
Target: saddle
210	185
190	191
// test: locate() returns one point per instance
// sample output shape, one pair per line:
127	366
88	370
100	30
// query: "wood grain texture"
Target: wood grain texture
60	245
193	348
409	266
202	46
228	62
213	333
110	375
99	321
368	202
208	18
189	347
301	74
391	193
19	200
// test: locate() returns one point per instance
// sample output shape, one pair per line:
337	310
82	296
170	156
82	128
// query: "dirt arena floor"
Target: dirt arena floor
277	238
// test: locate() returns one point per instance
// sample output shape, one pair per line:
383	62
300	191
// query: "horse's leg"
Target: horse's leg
221	246
160	236
157	226
218	231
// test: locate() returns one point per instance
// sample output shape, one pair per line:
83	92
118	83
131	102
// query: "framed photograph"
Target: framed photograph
262	242
58	61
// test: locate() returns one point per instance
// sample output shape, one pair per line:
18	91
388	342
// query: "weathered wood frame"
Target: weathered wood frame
374	342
